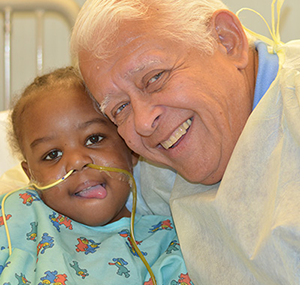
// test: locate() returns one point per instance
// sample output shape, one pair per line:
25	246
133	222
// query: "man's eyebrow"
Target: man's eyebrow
135	70
146	63
104	104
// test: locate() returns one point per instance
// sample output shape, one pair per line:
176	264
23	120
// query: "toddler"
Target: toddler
77	231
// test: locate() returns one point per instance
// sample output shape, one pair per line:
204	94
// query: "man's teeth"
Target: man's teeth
177	134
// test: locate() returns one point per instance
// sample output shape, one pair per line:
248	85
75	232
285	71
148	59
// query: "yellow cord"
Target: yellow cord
104	168
52	184
134	199
34	188
275	42
4	218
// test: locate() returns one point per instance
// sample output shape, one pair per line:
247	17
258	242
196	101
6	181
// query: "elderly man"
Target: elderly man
189	90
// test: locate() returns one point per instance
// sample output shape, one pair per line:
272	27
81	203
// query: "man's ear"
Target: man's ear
228	30
135	158
25	167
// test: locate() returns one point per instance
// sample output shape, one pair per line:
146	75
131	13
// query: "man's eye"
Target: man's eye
94	139
155	77
120	109
53	154
120	112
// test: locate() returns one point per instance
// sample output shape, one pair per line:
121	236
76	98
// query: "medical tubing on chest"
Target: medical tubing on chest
132	183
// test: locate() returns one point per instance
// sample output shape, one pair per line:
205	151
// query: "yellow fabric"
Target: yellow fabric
12	179
246	230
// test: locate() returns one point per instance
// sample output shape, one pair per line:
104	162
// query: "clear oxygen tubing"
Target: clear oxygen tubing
101	168
275	41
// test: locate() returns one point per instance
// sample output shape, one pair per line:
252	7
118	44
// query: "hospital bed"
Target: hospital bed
39	11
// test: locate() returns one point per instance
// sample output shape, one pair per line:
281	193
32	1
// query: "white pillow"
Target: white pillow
7	160
12	175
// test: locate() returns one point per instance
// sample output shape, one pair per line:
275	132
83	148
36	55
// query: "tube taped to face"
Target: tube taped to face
35	184
112	173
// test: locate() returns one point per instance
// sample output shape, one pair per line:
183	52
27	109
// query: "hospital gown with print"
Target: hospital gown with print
49	248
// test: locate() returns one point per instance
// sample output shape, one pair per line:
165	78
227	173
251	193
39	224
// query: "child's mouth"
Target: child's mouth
98	191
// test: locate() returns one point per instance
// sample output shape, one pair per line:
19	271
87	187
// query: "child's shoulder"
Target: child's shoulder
19	203
24	196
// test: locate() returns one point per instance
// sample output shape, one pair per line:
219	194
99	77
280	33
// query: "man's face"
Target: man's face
172	104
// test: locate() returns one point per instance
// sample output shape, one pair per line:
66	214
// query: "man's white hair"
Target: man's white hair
182	20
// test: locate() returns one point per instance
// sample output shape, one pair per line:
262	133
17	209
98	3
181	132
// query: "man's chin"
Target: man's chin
198	178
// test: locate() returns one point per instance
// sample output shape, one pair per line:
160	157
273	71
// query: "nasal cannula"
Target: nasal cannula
101	168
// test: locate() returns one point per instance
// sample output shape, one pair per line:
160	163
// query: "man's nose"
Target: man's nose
146	117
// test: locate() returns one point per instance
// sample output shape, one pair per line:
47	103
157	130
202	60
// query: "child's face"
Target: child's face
63	131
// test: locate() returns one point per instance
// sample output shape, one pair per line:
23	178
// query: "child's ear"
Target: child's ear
135	158
229	32
25	167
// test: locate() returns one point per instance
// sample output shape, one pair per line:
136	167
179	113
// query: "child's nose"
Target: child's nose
78	160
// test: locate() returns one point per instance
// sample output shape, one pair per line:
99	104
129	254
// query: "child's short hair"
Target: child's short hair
59	79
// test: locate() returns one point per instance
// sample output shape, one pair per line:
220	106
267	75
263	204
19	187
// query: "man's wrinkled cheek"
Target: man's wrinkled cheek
126	129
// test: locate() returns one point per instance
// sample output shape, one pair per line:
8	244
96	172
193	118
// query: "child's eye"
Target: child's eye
53	154
94	139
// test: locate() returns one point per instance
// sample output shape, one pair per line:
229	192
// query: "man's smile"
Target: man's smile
177	134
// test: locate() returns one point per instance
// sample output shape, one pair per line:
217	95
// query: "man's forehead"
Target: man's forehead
109	72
